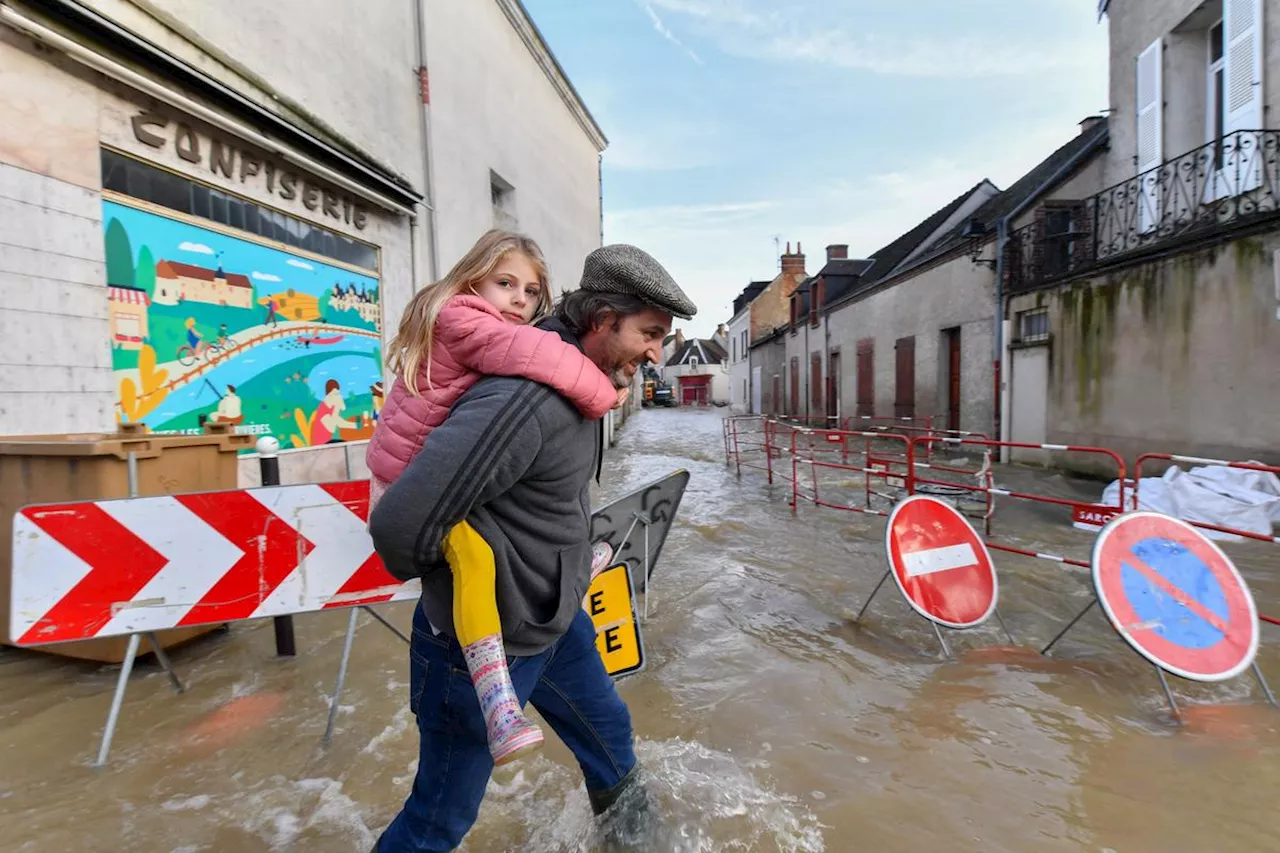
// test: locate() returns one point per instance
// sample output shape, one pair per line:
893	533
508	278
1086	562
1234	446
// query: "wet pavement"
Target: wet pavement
767	719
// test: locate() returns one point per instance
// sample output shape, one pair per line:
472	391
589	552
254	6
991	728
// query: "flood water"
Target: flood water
768	719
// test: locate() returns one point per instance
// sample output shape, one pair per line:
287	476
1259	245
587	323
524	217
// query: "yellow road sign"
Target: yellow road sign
609	604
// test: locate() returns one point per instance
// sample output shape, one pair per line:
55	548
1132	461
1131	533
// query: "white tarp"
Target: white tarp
1213	494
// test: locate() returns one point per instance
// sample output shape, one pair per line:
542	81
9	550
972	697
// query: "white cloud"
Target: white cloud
266	276
678	217
669	145
734	12
714	250
901	166
956	57
198	248
665	32
814	32
709	249
302	265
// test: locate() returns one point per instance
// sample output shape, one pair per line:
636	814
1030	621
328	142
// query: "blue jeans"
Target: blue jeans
568	685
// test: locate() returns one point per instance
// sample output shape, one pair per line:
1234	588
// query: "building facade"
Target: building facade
739	331
1156	328
911	334
171	201
698	372
770	318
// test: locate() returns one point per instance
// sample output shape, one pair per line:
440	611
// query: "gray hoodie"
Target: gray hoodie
513	458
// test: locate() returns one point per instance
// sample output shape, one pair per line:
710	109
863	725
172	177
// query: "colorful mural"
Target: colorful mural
206	327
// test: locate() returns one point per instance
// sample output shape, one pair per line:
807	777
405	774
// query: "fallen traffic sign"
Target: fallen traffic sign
939	562
1175	597
611	606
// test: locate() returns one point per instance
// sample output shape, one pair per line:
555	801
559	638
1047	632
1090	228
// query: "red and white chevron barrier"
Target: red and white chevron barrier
110	568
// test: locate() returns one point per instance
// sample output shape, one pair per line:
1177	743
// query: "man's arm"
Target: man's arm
487	442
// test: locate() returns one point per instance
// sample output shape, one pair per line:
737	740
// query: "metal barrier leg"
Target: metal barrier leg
1266	688
113	716
342	676
1164	682
165	662
392	628
883	578
1070	625
937	632
1004	627
647	577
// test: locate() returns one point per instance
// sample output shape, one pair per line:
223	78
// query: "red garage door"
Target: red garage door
695	390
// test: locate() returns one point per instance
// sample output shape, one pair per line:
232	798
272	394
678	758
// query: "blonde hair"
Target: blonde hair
411	346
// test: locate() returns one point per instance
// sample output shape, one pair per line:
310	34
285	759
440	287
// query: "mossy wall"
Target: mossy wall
1177	355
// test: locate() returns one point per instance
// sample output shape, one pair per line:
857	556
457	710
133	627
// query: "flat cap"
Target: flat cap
622	268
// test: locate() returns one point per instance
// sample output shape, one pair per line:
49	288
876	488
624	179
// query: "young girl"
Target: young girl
475	323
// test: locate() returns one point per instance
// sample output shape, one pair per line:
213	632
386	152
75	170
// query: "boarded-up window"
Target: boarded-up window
815	381
904	402
867	378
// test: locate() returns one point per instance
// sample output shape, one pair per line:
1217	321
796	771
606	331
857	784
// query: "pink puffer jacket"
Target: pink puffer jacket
473	340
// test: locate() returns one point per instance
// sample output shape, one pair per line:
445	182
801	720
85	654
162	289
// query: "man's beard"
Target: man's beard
620	378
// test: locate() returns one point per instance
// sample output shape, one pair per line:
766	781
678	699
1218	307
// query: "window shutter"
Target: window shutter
1242	26
1150	131
1242	22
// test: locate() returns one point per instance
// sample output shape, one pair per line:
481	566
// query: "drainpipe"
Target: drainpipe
1002	238
997	362
833	393
805	370
424	129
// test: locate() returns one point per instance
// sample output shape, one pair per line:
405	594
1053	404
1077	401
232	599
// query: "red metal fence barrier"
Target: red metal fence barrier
888	462
821	450
985	482
749	436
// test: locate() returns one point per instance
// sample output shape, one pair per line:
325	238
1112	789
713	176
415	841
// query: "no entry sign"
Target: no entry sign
939	562
1175	597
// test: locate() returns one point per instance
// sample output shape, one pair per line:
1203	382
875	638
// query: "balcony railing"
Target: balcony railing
1226	184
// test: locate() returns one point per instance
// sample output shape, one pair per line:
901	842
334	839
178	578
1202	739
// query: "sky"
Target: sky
733	124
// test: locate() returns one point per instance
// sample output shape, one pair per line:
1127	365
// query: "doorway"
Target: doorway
951	352
693	390
1028	398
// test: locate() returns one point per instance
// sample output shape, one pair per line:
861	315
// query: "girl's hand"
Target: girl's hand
623	394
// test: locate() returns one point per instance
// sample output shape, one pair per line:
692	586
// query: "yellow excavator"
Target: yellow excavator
656	392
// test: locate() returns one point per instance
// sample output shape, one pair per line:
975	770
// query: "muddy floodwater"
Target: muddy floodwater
768	719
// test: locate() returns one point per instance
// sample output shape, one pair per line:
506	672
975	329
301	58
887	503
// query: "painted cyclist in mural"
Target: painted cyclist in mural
195	340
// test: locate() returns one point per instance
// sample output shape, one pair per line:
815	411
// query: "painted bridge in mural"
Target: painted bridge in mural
184	370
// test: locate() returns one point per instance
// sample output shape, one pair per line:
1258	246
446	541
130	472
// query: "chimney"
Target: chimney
722	332
1090	123
838	252
793	264
679	339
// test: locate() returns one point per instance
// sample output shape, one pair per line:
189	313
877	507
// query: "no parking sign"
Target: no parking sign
1175	597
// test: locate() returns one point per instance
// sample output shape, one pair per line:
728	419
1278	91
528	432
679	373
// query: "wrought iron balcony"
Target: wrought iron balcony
1227	184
